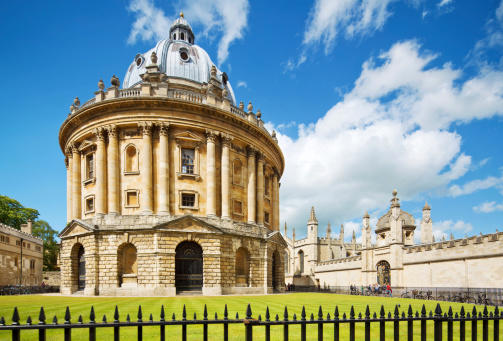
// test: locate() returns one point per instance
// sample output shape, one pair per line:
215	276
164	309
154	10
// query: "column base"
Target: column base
163	213
146	212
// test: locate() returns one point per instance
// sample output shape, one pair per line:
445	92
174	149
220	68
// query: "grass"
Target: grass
56	305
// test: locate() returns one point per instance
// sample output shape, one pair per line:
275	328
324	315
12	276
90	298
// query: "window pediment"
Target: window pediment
188	139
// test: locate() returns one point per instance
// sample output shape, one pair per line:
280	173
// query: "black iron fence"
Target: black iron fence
443	323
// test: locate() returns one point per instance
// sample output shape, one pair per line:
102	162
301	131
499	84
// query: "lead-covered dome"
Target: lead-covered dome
178	57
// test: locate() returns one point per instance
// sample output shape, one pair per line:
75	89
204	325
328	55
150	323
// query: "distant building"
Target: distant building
470	262
21	256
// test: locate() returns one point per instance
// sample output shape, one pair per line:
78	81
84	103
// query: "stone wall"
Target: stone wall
51	278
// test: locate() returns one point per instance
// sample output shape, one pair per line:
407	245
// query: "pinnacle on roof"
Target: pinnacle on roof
395	202
328	228
312	217
366	215
426	206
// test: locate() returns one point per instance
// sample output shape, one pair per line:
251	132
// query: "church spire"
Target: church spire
329	230
312	217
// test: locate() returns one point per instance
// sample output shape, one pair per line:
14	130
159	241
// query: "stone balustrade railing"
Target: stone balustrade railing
181	95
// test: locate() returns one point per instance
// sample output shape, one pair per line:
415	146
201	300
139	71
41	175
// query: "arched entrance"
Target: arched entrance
188	267
383	273
81	268
127	265
275	269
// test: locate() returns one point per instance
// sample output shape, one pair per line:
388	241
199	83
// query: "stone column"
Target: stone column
76	183
101	177
68	164
260	189
226	176
113	170
163	170
210	174
252	186
146	168
275	203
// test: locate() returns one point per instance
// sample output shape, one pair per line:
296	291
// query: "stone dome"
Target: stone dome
178	57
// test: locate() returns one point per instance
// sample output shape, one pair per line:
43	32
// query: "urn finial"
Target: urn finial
76	102
250	107
153	58
115	81
101	85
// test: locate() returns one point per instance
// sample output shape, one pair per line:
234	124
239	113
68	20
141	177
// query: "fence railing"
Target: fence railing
440	320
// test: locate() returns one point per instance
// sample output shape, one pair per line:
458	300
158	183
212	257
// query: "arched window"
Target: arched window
242	267
301	261
237	172
174	36
127	264
182	36
383	273
131	159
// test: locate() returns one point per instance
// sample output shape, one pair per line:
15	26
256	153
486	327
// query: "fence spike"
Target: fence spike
67	315
496	311
28	320
259	317
375	315
151	318
423	311
2	321
184	313
389	314
474	311
367	312
320	314
352	313
410	312
449	313
216	316
104	320
431	313
139	314
467	315
360	316
396	312
445	315
417	313
195	316
237	316
336	313
54	320
328	316
382	313
295	317
15	317
403	314
312	317
267	315
226	313
248	311
277	317
41	316
173	317
462	312
480	314
485	311
205	313
128	319
91	315
490	314
456	315
162	313
285	314
344	316
80	319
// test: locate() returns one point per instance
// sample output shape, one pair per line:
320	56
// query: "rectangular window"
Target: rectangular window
188	161
266	217
237	207
38	248
188	199
90	204
15	261
266	186
18	243
28	245
132	198
32	265
89	166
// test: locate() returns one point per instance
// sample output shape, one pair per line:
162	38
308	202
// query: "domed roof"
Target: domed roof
178	57
384	222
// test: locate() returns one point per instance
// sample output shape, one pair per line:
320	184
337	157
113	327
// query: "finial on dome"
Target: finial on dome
395	192
153	57
115	81
181	14
76	102
259	114
250	107
395	202
101	85
241	106
426	206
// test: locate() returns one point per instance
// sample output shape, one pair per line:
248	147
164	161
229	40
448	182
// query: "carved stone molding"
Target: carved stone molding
226	140
100	133
146	128
250	151
75	147
113	131
164	129
211	136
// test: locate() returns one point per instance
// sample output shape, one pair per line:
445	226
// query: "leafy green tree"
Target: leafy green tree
44	231
14	214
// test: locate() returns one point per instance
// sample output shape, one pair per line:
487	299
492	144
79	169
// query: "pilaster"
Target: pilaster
210	174
260	188
101	180
226	176
146	168
113	170
163	170
252	185
76	182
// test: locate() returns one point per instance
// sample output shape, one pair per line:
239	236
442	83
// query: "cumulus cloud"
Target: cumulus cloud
242	84
475	185
391	130
443	229
493	40
227	18
488	207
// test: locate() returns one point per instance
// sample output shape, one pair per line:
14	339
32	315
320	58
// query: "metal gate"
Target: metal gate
189	267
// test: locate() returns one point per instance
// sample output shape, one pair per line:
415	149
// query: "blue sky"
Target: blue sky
366	97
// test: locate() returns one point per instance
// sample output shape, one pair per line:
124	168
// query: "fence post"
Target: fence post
474	324
336	324
367	323
68	330
410	324
267	326
162	328
16	333
285	326
352	324
485	325
320	324
382	325
303	324
438	323
449	325
462	324
423	323
41	321
205	325
496	328
92	330
248	325
226	324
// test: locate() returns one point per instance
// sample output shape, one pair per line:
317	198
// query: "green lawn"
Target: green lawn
56	305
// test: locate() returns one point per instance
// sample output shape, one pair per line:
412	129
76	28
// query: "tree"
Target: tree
44	231
14	214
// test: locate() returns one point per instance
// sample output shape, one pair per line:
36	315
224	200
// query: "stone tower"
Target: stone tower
312	240
426	225
366	239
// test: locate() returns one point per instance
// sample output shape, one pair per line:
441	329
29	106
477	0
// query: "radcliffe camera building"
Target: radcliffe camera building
171	185
395	258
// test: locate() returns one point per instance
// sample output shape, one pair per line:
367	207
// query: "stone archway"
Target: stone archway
188	267
383	273
78	267
127	265
276	271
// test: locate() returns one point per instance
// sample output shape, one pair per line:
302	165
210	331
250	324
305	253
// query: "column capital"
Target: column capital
75	147
260	156
100	133
146	127
211	136
113	130
250	151
67	161
275	172
164	129
68	151
226	140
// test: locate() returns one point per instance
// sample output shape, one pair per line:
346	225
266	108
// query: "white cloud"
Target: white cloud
475	185
390	131
492	41
446	227
488	207
242	84
228	18
444	3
